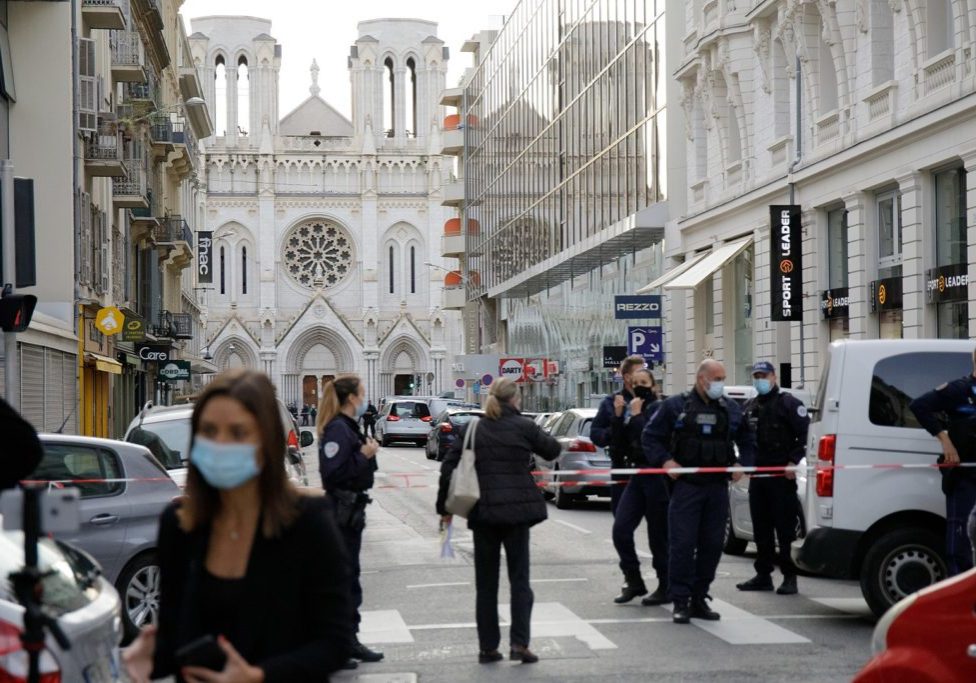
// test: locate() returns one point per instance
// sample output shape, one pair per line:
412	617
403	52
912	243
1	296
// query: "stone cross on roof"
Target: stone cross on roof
315	89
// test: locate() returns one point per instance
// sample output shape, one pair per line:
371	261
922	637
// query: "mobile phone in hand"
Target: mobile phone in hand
203	652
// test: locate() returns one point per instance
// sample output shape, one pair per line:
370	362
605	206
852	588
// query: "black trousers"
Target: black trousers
696	523
369	428
644	498
488	542
354	544
774	508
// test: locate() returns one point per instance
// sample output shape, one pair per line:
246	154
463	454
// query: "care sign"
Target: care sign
512	368
204	258
625	307
153	353
175	370
646	342
786	263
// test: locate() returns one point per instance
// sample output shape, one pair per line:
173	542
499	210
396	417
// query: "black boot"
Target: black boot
788	587
760	582
658	597
701	610
633	587
364	654
682	611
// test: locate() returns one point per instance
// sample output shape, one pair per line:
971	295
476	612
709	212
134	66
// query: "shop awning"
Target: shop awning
104	363
712	261
198	366
672	274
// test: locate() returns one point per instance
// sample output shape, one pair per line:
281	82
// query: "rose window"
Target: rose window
318	254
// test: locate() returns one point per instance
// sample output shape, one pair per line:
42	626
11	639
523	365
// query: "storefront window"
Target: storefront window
890	325
742	293
837	248
950	235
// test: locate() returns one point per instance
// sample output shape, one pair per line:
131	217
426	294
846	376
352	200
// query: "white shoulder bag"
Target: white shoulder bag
464	491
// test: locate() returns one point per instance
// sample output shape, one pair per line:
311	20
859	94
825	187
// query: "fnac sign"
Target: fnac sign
512	368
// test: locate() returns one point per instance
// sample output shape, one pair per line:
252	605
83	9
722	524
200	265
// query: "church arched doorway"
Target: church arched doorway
318	367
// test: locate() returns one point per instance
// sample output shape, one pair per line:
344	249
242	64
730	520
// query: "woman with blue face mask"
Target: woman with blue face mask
347	461
252	581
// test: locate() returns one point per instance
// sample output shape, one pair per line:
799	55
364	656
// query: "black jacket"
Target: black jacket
625	435
503	459
341	461
296	622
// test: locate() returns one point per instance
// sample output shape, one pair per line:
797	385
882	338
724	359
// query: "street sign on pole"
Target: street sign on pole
646	342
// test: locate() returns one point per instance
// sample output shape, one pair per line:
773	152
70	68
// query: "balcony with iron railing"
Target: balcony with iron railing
131	191
103	14
145	221
103	151
144	97
175	234
185	147
161	134
127	57
173	326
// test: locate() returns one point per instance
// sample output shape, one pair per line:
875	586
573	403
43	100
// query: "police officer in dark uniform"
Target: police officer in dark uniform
696	429
949	414
780	422
347	461
615	408
644	497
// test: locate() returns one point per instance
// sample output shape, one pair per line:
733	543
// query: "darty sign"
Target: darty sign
786	263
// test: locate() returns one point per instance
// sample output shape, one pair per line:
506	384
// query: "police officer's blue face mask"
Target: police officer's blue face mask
763	386
225	465
715	389
361	409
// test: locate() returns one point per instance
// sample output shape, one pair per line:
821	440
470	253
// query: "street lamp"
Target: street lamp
191	103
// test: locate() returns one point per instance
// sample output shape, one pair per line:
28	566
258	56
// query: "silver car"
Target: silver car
404	420
84	603
572	430
119	519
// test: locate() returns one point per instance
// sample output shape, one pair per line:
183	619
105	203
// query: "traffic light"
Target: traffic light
16	311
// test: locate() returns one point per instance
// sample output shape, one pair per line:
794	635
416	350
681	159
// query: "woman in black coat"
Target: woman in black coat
509	504
245	561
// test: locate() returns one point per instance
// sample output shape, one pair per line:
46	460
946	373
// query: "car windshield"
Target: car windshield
70	578
168	440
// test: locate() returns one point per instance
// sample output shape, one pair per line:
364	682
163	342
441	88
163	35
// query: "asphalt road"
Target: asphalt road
419	608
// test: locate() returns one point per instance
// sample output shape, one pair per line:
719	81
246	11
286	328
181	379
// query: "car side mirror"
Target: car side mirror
306	439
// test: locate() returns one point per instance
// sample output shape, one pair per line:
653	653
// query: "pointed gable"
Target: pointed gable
315	114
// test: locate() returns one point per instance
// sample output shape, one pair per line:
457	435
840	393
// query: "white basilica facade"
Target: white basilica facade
326	254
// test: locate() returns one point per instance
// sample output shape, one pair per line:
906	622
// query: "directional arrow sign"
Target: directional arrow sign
646	342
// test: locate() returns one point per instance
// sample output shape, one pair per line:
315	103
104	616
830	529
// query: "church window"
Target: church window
243	270
220	94
243	97
413	270
392	265
318	253
411	98
389	99
940	26
223	272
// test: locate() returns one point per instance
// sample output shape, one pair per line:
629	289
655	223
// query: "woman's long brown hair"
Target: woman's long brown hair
279	499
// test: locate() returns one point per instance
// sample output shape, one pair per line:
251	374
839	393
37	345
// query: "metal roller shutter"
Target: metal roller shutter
32	384
53	389
69	374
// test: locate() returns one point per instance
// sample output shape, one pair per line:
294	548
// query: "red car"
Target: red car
929	637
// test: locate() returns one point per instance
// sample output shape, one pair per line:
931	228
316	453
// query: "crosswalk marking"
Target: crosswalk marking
553	619
739	627
383	626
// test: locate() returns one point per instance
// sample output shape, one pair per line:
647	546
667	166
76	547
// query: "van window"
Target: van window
898	380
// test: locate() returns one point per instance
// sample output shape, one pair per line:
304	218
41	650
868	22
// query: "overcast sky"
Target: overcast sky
326	30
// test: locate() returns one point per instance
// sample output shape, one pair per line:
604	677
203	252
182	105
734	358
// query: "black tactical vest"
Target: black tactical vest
702	436
774	436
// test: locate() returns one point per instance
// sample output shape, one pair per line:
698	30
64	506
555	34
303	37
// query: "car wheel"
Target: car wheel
561	499
733	545
384	441
900	563
138	588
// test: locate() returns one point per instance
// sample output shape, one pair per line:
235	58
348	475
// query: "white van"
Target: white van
885	527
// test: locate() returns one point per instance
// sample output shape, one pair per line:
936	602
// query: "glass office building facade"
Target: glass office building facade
565	147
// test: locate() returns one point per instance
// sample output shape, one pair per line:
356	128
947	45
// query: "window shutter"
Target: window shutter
70	397
53	389
32	384
87	87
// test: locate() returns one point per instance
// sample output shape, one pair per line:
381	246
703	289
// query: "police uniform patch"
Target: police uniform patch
801	410
331	449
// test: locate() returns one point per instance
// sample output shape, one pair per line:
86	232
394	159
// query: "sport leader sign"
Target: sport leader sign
786	263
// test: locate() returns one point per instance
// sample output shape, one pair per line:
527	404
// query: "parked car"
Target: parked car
542	418
165	430
78	596
572	430
738	531
404	420
444	430
439	405
928	637
547	422
885	527
119	519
